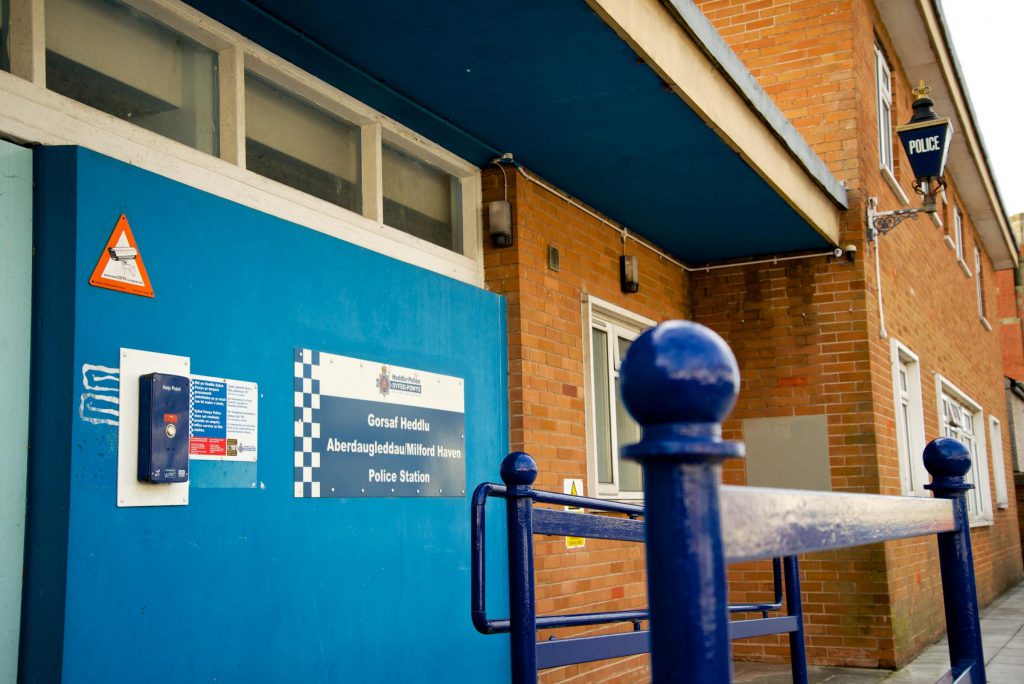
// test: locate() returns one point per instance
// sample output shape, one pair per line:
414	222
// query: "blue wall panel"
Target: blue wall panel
253	584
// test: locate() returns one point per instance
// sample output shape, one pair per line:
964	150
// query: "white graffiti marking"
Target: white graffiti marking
100	378
100	406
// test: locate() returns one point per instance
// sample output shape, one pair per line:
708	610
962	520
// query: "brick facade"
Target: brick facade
1011	332
547	333
818	62
806	333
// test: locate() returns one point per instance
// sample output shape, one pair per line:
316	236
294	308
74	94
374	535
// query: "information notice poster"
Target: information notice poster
223	419
370	429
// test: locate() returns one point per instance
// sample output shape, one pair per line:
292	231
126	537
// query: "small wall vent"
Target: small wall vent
554	258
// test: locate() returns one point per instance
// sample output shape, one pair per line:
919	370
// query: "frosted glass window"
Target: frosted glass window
120	61
421	200
298	144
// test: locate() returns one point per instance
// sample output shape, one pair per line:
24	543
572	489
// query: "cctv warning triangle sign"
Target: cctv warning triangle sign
120	266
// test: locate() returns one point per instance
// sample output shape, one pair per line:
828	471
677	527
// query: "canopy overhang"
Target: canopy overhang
635	107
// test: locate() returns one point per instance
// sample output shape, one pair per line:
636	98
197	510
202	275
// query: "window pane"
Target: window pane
981	285
883	87
421	200
295	143
907	444
602	407
5	23
959	231
119	61
998	463
623	348
627	431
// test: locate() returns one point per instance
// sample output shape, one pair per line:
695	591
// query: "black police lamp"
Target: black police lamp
925	139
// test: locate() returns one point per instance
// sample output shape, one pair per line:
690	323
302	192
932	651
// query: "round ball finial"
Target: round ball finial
518	469
679	372
945	457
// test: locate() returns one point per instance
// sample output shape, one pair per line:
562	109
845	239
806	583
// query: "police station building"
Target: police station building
284	281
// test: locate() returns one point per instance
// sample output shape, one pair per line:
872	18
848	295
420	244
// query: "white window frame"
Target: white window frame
995	433
980	499
910	439
958	239
33	115
1015	414
980	285
599	311
883	96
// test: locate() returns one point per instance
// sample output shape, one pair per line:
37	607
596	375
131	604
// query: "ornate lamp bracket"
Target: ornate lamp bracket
881	222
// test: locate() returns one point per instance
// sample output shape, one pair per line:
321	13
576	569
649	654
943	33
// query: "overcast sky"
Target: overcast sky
988	36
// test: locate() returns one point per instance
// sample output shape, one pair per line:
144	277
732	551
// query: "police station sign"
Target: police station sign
369	429
927	145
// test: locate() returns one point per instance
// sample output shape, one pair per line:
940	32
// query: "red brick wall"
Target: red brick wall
817	60
799	332
547	333
1011	301
806	334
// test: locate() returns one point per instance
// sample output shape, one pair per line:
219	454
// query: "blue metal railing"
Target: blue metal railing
559	652
679	381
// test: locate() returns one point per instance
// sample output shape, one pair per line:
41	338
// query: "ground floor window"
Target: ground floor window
609	425
961	419
995	436
909	420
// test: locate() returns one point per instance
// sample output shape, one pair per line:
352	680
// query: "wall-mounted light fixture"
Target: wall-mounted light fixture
499	212
629	273
925	139
499	223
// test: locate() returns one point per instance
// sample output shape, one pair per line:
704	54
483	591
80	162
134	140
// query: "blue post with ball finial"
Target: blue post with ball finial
947	461
679	381
518	471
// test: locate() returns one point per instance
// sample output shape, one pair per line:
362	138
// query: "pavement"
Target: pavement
1002	635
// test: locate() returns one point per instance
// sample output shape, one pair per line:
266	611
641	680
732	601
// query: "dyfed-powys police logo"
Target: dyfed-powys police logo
384	381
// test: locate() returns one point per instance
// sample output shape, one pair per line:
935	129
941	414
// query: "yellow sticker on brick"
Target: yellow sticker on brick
574	487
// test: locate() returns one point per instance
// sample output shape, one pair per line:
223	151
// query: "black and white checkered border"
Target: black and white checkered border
307	425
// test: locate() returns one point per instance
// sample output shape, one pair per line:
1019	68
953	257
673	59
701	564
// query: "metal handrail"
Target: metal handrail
679	381
553	522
